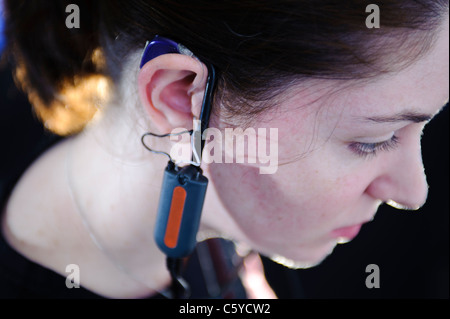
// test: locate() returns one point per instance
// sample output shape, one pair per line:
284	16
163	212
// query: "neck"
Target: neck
117	201
115	184
97	209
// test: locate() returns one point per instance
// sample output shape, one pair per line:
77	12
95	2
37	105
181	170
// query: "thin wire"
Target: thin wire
195	154
161	135
196	135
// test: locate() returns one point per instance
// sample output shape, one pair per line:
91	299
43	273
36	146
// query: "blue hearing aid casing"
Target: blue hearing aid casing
158	46
180	207
183	188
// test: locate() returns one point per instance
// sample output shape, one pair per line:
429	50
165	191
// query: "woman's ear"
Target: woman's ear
171	88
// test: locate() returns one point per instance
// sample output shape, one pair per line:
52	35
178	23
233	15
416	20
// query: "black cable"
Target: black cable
179	288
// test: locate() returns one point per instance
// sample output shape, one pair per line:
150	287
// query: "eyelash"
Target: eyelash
372	149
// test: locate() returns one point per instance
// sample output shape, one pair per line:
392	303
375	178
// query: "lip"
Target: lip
348	232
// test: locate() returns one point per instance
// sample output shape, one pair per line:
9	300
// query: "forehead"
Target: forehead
422	87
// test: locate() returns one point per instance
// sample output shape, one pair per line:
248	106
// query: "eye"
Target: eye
372	149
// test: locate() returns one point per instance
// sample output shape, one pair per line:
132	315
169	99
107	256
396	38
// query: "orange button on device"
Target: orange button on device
175	216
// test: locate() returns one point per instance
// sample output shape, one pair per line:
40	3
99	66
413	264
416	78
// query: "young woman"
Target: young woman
346	104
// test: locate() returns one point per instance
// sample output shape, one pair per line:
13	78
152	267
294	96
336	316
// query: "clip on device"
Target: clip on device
183	188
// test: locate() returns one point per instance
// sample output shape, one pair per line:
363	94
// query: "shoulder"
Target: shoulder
30	222
41	223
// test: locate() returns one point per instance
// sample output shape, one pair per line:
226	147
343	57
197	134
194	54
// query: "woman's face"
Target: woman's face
339	158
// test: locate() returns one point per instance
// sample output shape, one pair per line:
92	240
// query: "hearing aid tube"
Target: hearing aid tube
180	207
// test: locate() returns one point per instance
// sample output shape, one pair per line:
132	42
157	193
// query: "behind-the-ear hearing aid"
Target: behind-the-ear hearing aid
184	188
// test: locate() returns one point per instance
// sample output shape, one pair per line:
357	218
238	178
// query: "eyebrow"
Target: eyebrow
401	117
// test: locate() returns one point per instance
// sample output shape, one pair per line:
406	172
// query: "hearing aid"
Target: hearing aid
183	188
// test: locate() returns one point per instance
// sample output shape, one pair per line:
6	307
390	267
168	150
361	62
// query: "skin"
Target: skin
295	219
105	177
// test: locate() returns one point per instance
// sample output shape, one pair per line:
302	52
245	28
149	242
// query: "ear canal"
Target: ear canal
177	96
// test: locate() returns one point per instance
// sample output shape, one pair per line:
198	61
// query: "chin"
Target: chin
304	259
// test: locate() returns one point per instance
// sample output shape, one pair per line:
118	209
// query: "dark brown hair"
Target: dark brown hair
259	47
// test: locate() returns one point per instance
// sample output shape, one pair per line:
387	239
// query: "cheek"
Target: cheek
341	191
293	204
254	201
318	198
301	203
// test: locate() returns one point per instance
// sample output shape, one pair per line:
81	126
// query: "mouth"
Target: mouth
347	233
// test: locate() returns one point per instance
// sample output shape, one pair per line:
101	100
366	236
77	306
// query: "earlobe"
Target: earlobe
169	89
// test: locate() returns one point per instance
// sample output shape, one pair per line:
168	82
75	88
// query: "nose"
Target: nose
401	182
